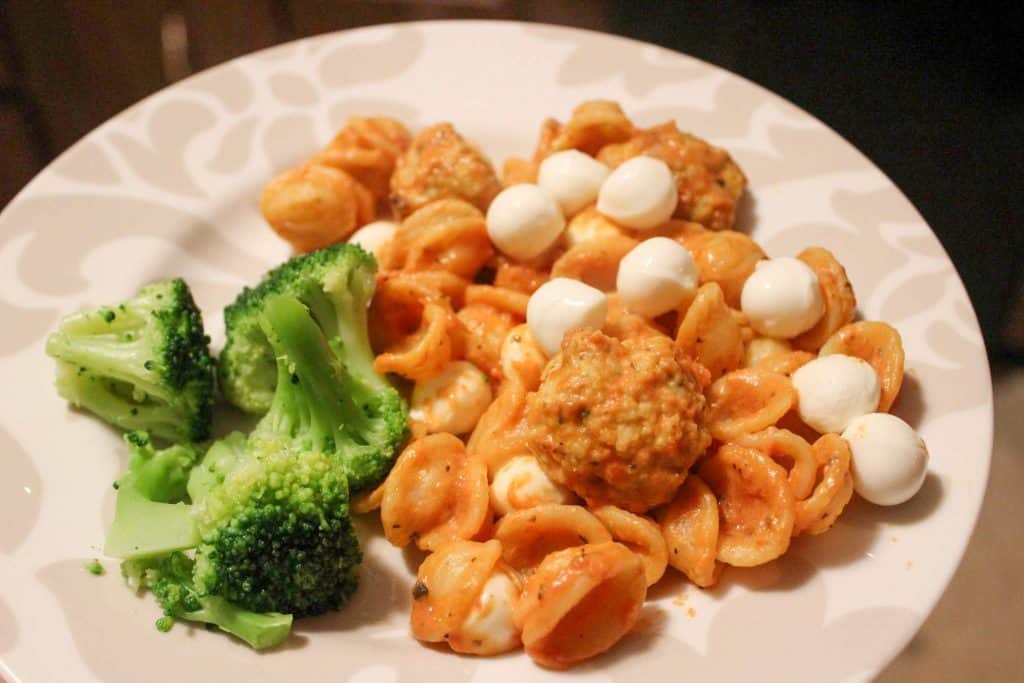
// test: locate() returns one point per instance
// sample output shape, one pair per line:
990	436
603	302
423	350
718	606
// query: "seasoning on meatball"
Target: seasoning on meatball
619	422
441	163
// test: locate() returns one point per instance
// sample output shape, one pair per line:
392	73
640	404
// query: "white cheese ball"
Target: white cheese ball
489	625
572	178
560	305
890	460
782	298
523	221
521	483
656	276
373	236
452	401
639	194
832	390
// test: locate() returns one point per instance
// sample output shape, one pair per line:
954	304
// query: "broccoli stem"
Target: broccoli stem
144	528
83	390
310	397
351	297
260	631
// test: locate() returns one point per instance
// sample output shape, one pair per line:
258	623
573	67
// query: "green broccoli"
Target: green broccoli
268	516
348	409
142	365
170	579
151	517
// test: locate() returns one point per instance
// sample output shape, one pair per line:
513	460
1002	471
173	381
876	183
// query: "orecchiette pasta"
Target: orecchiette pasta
452	401
840	302
501	298
689	525
746	401
413	327
516	171
595	262
519	276
755	505
487	328
880	345
528	536
639	534
622	324
435	494
785	363
367	149
763	348
313	206
725	257
447	584
447	234
522	359
521	484
709	332
833	490
593	125
795	453
679	431
580	602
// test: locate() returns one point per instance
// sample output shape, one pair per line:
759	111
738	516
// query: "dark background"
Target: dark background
932	92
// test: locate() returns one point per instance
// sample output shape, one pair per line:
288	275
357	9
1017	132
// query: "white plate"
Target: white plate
170	187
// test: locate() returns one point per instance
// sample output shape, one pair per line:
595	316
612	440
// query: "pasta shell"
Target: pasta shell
639	534
746	401
689	525
435	495
710	334
528	536
881	346
755	505
580	602
836	290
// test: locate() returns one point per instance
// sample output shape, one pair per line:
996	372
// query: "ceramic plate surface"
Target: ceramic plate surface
170	187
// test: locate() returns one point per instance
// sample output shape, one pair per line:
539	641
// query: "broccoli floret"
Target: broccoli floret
336	284
333	400
268	516
151	517
170	579
142	365
323	407
277	535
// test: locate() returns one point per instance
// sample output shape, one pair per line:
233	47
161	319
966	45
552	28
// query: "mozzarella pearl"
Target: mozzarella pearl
373	236
452	401
523	221
832	390
782	298
560	305
639	194
890	460
489	626
521	483
572	178
656	276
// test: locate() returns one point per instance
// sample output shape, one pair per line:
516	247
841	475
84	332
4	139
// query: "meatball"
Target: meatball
440	164
618	422
709	181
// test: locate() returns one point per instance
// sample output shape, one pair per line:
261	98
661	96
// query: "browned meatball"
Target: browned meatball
439	164
618	422
708	180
